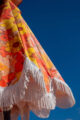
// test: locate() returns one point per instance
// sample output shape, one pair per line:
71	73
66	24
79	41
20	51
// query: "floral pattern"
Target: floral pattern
17	40
27	75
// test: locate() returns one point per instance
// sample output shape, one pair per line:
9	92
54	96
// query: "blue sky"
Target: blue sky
56	24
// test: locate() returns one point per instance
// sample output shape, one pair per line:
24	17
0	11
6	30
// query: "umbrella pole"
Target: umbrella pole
6	115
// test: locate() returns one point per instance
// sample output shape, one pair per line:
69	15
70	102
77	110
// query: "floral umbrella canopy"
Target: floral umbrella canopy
28	78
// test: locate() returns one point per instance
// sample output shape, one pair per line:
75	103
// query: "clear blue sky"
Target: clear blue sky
56	24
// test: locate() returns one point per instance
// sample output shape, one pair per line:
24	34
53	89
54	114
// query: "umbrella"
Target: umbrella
28	78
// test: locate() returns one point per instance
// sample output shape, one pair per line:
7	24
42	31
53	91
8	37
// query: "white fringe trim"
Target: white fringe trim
36	92
66	98
43	113
26	90
47	103
31	90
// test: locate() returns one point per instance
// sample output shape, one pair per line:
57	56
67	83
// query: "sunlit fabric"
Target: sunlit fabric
28	78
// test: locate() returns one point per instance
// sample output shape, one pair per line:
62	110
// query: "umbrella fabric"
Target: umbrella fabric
27	75
16	2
